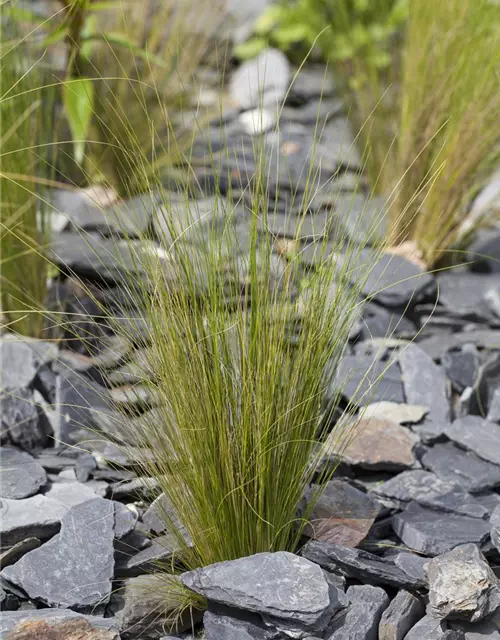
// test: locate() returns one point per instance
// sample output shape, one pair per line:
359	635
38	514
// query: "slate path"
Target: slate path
405	541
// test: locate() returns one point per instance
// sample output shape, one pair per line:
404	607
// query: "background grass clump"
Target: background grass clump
421	81
25	169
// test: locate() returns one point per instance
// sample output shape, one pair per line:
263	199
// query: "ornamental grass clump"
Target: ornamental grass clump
449	138
242	339
25	168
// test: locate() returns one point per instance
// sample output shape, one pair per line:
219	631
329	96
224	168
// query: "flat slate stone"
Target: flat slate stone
58	623
462	585
461	467
225	627
400	616
70	493
476	435
429	628
17	551
362	617
400	413
411	564
361	565
36	516
23	420
149	559
433	533
366	378
462	366
462	293
74	569
279	586
20	474
376	444
425	383
429	490
342	515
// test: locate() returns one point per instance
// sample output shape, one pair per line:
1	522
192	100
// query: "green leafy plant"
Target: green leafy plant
25	168
130	68
449	137
362	41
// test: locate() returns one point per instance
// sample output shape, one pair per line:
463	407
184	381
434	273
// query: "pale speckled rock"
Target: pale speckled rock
462	585
377	444
262	81
400	616
433	533
21	475
74	569
57	624
362	617
428	489
394	411
283	588
36	516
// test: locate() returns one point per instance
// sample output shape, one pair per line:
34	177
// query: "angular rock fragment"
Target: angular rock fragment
148	559
400	616
70	493
477	435
377	444
361	565
361	619
75	568
22	359
225	627
20	474
425	383
400	413
342	515
462	366
23	421
36	516
461	467
462	585
411	564
431	628
288	591
57	624
433	533
429	490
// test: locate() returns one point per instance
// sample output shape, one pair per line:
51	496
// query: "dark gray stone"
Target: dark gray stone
313	81
53	462
21	360
495	527
429	628
462	366
361	619
400	616
391	280
70	493
125	520
60	622
23	420
411	564
461	467
286	590
484	252
36	516
378	322
476	435
367	378
361	565
224	627
262	81
429	490
156	555
75	568
363	219
425	383
462	585
20	474
434	533
488	380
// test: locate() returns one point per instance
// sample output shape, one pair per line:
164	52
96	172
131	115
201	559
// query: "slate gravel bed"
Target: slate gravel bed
404	544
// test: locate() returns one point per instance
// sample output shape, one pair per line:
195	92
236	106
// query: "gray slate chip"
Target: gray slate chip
23	420
36	516
425	383
433	533
477	435
461	467
400	616
429	628
21	360
429	490
362	617
364	566
279	586
75	568
20	474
